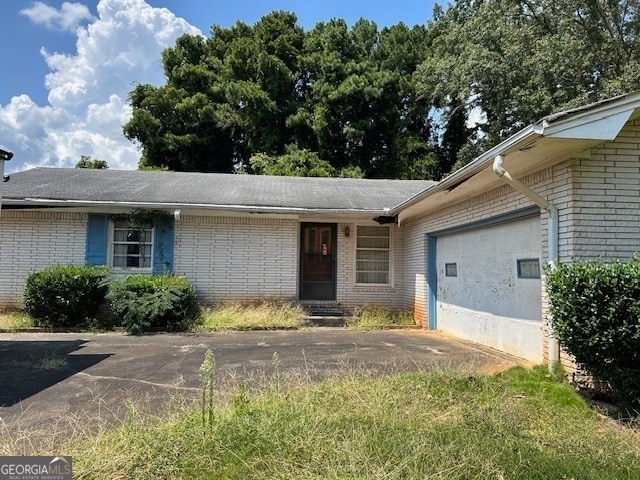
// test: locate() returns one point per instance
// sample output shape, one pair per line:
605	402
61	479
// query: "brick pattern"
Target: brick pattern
238	258
31	241
551	183
606	184
351	296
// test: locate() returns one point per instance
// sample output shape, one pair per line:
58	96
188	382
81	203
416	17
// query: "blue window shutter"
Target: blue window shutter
163	246
96	249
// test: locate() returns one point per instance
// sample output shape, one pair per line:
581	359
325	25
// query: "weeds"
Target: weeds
370	318
207	383
520	424
15	320
263	314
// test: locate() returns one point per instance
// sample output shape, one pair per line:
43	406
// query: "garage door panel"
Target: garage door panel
487	276
482	298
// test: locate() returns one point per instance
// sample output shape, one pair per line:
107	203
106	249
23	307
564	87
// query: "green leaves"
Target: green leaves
342	98
142	302
595	314
65	295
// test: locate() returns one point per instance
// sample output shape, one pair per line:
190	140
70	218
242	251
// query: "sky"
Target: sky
66	67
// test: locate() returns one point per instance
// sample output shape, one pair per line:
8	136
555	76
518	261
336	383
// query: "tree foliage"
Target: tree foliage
398	102
343	95
595	314
511	62
93	163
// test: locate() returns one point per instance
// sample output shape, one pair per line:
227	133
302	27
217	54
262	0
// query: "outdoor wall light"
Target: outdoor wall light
347	231
4	155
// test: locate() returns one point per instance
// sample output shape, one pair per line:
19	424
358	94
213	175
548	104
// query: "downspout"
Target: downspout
552	235
4	156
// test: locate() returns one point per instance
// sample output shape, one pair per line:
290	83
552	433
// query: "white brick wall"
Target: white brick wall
606	218
351	295
552	183
246	258
238	258
30	241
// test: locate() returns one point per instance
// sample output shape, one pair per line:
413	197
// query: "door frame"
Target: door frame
334	261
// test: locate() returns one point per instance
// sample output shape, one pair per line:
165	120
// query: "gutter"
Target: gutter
255	209
552	235
4	157
473	168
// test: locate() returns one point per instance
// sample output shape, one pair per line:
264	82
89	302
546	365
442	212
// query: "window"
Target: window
451	269
131	246
528	268
373	255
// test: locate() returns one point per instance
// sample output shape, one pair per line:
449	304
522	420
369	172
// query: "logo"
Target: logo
35	468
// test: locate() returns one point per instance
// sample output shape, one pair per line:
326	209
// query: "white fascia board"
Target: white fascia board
476	166
595	126
42	202
602	122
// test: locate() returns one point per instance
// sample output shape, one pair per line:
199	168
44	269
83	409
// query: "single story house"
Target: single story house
466	255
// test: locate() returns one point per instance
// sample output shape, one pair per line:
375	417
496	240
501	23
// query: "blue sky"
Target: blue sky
67	66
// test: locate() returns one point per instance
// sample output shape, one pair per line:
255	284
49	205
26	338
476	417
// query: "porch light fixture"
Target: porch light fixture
347	231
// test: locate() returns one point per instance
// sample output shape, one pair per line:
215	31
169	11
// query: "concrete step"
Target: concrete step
324	321
324	311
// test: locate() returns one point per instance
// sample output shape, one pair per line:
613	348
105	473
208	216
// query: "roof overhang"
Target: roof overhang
553	139
42	203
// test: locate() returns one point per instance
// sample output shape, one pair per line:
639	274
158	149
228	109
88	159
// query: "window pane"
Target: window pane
373	242
119	261
451	269
373	255
372	277
529	268
120	235
131	247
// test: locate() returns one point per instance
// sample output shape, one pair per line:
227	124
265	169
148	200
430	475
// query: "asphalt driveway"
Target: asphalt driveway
53	380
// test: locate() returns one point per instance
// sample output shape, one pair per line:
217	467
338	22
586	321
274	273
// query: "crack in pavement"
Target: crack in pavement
146	382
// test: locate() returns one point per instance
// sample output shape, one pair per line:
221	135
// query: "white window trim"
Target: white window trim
110	243
391	258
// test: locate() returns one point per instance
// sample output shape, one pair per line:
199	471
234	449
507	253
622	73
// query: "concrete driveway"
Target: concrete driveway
57	380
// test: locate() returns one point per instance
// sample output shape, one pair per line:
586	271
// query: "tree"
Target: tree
511	62
93	163
295	163
226	97
343	96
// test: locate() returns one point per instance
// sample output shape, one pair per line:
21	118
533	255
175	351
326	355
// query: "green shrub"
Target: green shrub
595	311
65	295
153	302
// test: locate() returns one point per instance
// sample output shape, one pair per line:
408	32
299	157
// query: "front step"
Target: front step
324	316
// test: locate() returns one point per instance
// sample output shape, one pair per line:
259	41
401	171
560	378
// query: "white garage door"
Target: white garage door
489	287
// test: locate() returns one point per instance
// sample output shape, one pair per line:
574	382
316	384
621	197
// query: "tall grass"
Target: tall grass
520	424
371	318
262	314
14	320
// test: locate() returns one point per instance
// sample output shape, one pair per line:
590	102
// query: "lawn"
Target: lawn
14	320
519	424
252	315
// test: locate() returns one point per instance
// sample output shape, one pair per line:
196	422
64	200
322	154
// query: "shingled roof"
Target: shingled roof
85	187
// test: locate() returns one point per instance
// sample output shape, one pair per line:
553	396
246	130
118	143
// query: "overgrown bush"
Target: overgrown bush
153	302
595	309
65	295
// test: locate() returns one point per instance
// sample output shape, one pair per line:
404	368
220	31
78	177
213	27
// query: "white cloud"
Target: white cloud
69	17
88	89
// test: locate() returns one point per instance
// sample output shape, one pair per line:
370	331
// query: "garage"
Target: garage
489	286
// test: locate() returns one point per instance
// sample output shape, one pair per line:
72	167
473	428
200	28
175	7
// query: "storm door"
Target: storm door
318	261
